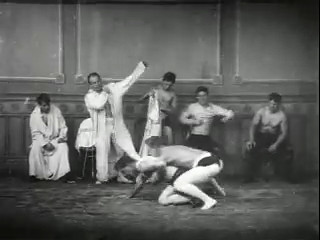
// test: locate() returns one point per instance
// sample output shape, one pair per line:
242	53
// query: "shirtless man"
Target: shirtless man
199	117
167	101
195	167
267	138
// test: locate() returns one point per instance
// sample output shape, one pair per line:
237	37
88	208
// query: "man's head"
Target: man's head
95	82
43	101
202	95
140	171
274	101
168	80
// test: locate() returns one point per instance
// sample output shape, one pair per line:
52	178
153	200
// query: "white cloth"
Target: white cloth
42	164
153	125
111	130
86	135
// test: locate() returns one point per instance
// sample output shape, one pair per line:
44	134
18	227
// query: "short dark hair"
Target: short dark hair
43	98
169	77
202	89
93	74
275	97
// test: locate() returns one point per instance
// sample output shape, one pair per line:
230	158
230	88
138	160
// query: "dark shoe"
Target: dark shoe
33	179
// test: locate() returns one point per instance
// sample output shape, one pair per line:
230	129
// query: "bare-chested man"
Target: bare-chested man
167	100
268	135
194	167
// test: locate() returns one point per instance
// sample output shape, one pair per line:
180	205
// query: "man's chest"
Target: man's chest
203	113
271	120
164	97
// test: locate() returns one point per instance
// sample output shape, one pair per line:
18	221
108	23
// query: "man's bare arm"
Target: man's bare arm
215	184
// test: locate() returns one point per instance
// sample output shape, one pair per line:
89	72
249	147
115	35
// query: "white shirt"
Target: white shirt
195	111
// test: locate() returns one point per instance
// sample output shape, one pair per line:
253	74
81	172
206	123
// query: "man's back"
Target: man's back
180	156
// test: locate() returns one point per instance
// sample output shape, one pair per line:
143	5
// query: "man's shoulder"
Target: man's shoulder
55	108
262	110
213	106
193	105
282	114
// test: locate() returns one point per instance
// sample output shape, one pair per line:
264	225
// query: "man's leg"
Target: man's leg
167	131
102	153
169	196
186	183
251	164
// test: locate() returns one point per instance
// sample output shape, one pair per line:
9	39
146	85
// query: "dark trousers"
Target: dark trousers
259	161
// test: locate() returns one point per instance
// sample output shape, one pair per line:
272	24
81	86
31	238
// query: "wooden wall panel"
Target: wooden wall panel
30	42
112	35
2	136
277	42
16	136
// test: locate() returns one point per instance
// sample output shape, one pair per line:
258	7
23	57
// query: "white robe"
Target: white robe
111	130
42	164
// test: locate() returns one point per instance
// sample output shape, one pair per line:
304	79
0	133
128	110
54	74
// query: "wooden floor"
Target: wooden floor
56	210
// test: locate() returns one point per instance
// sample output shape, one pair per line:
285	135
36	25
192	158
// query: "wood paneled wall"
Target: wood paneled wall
241	50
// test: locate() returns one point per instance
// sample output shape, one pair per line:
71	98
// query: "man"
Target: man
104	104
167	100
194	167
48	157
268	139
199	116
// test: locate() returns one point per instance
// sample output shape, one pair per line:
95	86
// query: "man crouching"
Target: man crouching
194	167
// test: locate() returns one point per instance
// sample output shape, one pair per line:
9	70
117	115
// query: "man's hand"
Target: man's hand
48	147
62	140
145	64
251	144
152	93
140	181
197	122
273	148
166	111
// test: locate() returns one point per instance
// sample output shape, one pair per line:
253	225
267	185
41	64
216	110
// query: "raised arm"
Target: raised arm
124	85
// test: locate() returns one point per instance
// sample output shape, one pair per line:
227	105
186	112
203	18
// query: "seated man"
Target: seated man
48	158
268	140
194	167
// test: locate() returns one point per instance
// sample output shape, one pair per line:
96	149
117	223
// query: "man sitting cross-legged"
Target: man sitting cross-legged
194	167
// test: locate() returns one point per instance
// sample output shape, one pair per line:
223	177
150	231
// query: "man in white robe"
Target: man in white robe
48	157
104	104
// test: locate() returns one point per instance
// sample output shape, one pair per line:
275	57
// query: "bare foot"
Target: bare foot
211	203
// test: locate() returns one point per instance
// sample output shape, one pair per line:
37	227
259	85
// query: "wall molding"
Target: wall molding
217	79
57	78
221	98
237	78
